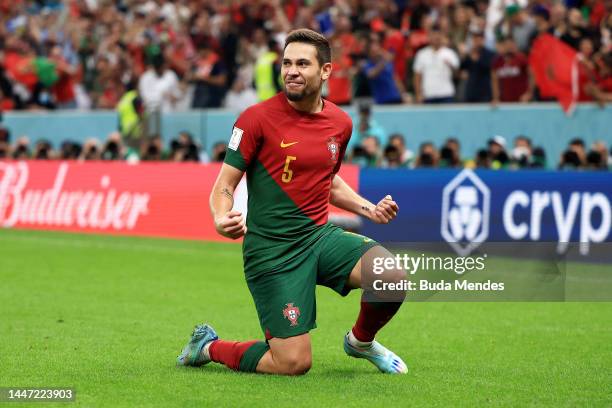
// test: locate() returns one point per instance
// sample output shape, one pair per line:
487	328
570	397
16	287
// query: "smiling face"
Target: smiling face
302	74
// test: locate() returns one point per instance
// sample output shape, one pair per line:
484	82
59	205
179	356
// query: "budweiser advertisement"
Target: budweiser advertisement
146	199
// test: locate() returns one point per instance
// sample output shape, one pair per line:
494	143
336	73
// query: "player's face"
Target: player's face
302	75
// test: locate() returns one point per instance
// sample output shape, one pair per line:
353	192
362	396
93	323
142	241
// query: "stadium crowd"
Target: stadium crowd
367	152
142	57
211	53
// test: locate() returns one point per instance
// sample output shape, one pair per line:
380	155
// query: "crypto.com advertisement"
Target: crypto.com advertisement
491	236
466	208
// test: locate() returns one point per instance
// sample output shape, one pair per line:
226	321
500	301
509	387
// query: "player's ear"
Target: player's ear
326	70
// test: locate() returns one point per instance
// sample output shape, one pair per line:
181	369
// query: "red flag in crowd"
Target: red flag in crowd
555	67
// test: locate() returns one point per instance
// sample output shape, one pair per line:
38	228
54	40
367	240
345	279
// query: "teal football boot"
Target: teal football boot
385	360
192	352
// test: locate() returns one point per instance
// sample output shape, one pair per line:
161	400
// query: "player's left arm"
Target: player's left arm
344	197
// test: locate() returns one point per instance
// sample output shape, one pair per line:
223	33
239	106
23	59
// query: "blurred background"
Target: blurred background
429	83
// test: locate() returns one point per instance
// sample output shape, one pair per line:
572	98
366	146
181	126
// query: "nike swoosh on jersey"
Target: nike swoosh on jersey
283	144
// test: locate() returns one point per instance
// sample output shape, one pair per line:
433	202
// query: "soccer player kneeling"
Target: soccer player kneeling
291	147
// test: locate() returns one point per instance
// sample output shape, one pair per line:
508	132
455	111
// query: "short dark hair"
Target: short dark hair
319	41
398	136
577	141
523	137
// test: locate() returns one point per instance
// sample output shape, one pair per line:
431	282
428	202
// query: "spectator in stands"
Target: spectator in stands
476	70
600	86
538	158
153	150
378	68
91	150
434	68
21	151
267	71
498	156
159	87
240	96
88	57
6	97
371	146
509	75
63	89
229	40
460	25
541	17
586	68
594	161
577	145
575	29
43	150
597	158
218	152
184	149
209	75
367	125
359	157
482	161
33	75
106	86
428	156
5	134
395	41
105	45
8	100
5	142
340	81
522	152
450	155
519	26
406	156
575	155
5	150
570	161
392	158
113	148
132	118
70	150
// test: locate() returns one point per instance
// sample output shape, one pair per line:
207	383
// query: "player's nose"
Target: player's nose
292	71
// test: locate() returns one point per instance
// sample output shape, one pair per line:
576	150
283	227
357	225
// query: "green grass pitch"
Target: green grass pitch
108	315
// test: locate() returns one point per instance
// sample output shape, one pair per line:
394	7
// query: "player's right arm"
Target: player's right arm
241	150
229	223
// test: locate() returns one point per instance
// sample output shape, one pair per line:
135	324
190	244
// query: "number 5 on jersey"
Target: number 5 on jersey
287	172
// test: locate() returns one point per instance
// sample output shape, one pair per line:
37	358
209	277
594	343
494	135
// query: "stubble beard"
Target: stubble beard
300	96
296	96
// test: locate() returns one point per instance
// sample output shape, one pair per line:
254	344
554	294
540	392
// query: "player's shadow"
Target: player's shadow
346	372
340	373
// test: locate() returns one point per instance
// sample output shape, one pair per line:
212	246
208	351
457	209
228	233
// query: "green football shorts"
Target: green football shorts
285	299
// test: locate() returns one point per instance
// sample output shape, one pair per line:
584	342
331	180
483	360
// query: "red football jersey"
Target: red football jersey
289	158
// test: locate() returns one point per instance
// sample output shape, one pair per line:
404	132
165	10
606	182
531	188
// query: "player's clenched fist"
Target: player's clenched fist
385	211
231	225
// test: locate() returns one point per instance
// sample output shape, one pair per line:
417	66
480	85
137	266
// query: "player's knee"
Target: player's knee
396	275
395	290
296	365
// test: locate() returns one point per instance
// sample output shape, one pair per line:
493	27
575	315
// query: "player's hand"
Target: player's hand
385	211
231	225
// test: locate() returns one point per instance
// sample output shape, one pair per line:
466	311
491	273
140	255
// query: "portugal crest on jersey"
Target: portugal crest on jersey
332	146
291	313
